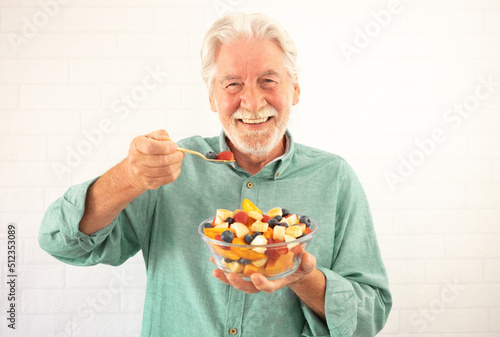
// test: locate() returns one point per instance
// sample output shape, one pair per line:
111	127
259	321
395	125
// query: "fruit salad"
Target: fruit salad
247	240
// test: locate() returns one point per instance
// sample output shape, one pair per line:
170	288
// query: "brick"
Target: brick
491	19
445	320
484	146
22	148
435	221
33	71
107	71
108	19
21	200
35	174
132	299
17	19
55	97
414	247
414	295
8	96
34	254
472	246
70	301
153	45
484	4
27	224
166	96
469	46
136	122
41	276
493	321
461	270
483	196
34	325
112	325
178	20
489	221
405	272
70	45
36	123
492	270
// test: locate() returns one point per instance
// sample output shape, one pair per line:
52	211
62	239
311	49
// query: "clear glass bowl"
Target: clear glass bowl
274	260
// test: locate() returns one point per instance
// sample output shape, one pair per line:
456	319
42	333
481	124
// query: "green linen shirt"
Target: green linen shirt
183	298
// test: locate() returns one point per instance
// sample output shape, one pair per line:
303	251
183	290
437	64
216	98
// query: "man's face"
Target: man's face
253	94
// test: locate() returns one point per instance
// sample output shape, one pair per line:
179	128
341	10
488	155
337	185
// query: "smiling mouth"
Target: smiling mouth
255	121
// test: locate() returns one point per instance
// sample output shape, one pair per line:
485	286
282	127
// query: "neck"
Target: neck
253	163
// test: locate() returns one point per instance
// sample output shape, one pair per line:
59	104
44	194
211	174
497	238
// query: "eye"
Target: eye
233	87
268	83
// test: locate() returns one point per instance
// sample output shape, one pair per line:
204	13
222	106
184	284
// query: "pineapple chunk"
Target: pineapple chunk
257	241
224	213
255	215
294	231
275	211
279	233
259	226
240	229
292	220
260	262
222	225
289	238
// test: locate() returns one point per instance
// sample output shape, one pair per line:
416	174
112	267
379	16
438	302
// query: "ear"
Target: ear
296	92
213	104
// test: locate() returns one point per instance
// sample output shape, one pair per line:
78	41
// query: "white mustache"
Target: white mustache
264	112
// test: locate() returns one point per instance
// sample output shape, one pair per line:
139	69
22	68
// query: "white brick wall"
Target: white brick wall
75	64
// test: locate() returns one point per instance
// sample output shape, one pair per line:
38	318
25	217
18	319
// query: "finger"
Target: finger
157	160
261	283
219	274
239	283
148	145
159	135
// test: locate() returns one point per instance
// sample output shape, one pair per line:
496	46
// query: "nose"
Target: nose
252	98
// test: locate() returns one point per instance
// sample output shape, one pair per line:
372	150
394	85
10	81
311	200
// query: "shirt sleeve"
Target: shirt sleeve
357	297
113	244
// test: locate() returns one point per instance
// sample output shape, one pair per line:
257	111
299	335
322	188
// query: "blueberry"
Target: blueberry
227	236
284	224
272	222
248	238
285	212
211	155
207	225
244	261
306	220
227	260
278	217
256	234
229	220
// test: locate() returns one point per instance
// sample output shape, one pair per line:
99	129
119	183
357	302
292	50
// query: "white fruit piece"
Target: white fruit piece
259	226
289	238
260	262
279	233
224	213
255	215
222	225
240	229
257	241
218	221
275	211
292	219
294	231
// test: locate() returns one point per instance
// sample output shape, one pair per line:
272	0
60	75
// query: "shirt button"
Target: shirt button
277	174
233	331
249	184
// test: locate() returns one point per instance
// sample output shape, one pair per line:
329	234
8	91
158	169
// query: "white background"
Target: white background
66	68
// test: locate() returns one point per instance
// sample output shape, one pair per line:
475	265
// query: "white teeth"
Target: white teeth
255	121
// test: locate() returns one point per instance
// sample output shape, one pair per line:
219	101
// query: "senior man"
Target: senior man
146	203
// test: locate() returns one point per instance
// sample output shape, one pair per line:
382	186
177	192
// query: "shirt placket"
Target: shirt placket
236	303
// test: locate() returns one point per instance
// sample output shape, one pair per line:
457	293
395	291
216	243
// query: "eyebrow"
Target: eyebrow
234	77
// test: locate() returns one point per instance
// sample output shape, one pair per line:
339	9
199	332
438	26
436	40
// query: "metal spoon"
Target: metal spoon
218	161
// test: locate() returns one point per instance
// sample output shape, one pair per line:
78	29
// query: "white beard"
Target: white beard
257	142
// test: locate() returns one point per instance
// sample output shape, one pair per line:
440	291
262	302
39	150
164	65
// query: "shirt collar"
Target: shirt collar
276	168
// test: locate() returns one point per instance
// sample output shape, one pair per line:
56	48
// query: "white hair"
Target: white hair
236	26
